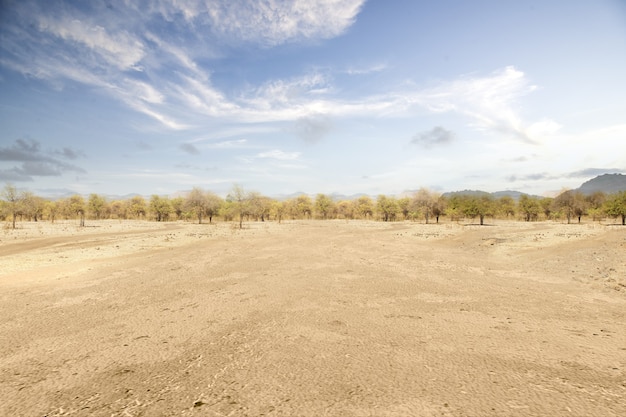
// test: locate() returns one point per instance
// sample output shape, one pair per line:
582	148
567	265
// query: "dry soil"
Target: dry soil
312	318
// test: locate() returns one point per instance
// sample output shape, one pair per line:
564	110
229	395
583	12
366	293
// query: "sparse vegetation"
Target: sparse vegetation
242	205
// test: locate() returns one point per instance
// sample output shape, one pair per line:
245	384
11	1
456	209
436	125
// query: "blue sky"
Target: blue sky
345	96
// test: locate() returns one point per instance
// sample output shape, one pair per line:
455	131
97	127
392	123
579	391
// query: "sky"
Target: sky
316	96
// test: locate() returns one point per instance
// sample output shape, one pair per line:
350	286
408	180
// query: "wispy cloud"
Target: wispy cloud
273	22
280	155
489	101
119	52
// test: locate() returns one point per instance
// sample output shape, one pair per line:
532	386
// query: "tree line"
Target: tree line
239	205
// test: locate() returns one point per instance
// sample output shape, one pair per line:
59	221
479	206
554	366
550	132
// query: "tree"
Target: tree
76	206
32	206
137	206
97	205
571	203
259	206
364	207
595	204
161	207
506	206
240	201
119	209
424	203
345	209
13	199
439	209
477	206
196	202
387	207
615	206
178	206
404	207
546	204
278	210
302	206
51	210
323	205
213	205
529	206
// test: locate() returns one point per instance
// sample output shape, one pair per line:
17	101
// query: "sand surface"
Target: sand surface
312	318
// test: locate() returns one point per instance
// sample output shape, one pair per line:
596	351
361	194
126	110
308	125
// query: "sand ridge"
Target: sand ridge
313	318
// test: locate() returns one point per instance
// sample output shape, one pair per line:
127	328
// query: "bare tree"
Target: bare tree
240	201
424	202
571	203
76	205
196	202
13	199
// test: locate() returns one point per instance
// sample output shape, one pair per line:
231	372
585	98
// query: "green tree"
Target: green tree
506	206
404	207
387	207
302	206
364	207
97	205
529	207
324	205
615	206
137	207
51	210
479	206
278	209
178	206
546	204
161	207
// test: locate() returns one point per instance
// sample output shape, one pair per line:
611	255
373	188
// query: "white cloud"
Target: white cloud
274	22
122	49
280	155
489	101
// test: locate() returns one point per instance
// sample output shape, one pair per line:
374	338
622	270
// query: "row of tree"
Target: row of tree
240	204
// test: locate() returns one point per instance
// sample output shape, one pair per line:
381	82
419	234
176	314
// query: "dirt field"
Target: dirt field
316	318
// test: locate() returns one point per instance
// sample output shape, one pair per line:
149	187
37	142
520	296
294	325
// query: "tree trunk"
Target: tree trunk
14	216
623	220
482	219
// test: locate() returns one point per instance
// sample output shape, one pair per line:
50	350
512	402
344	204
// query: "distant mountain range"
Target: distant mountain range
607	183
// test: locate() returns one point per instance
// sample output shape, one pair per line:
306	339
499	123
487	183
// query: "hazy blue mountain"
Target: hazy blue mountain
607	183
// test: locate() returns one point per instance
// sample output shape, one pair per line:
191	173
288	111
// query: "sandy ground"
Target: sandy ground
315	318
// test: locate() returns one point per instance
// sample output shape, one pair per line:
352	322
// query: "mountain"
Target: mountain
607	183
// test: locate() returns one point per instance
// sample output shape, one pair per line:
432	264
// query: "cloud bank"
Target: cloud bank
28	160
